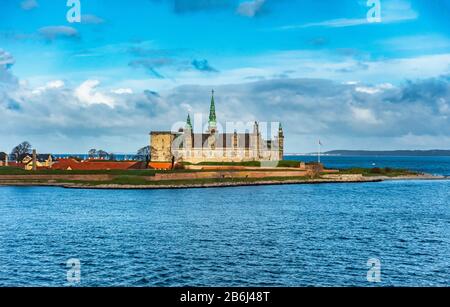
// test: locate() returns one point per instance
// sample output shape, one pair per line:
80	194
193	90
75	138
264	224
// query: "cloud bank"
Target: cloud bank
61	117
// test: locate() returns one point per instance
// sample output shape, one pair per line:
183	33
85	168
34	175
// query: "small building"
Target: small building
42	161
3	159
90	165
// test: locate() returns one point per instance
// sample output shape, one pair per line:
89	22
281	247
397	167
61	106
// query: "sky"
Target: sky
318	67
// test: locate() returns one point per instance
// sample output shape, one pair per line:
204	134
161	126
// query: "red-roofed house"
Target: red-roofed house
72	164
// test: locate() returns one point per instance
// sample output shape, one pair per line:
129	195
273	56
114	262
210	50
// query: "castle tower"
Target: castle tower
235	139
34	160
280	143
188	133
256	138
212	123
235	143
188	122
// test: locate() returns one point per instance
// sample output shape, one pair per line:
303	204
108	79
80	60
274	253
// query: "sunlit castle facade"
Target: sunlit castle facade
214	146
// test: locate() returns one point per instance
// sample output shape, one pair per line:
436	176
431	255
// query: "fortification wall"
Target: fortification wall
228	174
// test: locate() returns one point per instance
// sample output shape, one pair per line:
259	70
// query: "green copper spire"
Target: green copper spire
212	112
188	122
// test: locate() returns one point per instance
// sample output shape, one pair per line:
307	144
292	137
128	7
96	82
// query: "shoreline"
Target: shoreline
342	180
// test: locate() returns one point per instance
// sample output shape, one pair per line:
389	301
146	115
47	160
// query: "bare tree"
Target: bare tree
92	153
143	154
111	157
102	154
21	149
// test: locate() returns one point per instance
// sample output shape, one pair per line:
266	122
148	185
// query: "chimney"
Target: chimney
34	160
6	160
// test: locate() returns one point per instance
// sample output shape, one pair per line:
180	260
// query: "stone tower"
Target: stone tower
188	134
256	141
280	143
212	123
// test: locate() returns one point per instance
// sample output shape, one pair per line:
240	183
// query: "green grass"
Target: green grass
370	172
142	182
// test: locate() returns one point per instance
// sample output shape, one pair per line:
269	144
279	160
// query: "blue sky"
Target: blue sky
317	66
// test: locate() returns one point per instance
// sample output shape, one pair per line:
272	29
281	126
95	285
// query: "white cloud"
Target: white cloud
87	94
397	11
29	4
77	119
91	19
364	115
54	32
373	90
6	77
392	11
351	82
52	85
424	42
6	59
367	90
250	8
444	107
122	91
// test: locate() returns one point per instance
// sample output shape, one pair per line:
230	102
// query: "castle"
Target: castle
213	146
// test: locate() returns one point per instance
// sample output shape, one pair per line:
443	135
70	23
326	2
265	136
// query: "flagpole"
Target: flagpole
318	153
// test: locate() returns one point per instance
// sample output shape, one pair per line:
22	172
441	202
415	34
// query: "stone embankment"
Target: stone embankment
191	180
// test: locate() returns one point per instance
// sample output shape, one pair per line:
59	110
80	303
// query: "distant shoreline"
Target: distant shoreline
381	153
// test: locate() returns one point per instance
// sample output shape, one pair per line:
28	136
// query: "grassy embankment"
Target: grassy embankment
143	172
136	181
138	177
374	172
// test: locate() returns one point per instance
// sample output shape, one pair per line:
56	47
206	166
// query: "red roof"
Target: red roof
161	165
64	164
16	164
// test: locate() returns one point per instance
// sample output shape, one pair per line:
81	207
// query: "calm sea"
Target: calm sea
294	235
431	165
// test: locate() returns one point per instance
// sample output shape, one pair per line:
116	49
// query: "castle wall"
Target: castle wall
228	174
198	155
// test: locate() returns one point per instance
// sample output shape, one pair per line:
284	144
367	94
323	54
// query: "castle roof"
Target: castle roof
212	111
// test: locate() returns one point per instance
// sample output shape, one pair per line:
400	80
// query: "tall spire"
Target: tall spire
212	112
188	122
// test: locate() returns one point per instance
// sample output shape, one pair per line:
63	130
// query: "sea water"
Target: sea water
291	235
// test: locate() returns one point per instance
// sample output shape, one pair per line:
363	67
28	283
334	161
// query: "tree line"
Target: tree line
25	148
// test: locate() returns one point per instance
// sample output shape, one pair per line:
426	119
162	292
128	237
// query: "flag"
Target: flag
320	143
